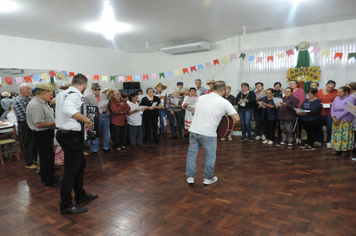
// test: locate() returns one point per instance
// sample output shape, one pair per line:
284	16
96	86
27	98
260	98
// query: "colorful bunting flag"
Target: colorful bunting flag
250	58
71	74
242	55
121	78
170	73
176	72
338	55
104	78
154	76
233	56
208	65
216	62
281	55
28	79
44	76
129	78
65	72
259	59
224	59
185	71
200	67
193	68
88	76
315	50
18	80
325	53
96	77
52	74
352	55
36	78
290	52
145	77
270	58
112	78
0	82
137	78
162	75
8	80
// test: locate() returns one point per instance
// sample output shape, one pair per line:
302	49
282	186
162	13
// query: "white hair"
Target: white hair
24	85
177	90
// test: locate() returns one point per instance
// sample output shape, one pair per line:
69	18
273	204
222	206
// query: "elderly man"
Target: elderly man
200	90
211	85
40	119
26	136
100	100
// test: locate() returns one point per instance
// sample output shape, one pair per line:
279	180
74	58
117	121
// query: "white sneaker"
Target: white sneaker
263	137
317	144
270	142
190	180
210	181
223	139
258	137
354	158
266	141
230	138
328	145
298	140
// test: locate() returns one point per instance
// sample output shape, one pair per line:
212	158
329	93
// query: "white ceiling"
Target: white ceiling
165	23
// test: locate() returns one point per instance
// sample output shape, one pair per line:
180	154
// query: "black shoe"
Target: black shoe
94	153
73	209
107	151
157	141
56	176
134	147
88	198
57	167
250	140
54	184
243	139
173	137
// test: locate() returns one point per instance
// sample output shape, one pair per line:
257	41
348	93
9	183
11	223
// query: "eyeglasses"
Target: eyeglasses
97	89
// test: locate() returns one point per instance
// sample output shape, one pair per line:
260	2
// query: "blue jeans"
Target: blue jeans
104	127
245	119
178	116
328	122
162	120
258	121
209	145
135	133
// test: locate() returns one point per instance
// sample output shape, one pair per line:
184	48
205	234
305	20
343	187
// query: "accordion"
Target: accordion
92	112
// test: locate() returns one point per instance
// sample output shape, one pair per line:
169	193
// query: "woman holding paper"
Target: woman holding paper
150	115
246	101
300	95
343	131
188	105
269	116
310	118
326	97
134	121
173	105
159	87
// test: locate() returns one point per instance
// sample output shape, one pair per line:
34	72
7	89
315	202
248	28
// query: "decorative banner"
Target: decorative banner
36	78
162	75
28	79
200	67
8	80
121	78
112	78
315	50
326	53
0	82
96	77
250	58
208	65
352	55
88	76
233	56
224	59
185	71
145	77
52	74
59	71
71	74
64	72
259	59
270	58
242	55
18	80
104	78
169	73
290	52
281	55
216	62
304	74
193	68
154	76
338	55
129	78
44	76
137	77
176	72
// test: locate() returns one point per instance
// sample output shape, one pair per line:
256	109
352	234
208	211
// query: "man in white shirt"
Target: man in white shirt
69	136
209	110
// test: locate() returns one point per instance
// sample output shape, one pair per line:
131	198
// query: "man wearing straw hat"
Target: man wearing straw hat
211	85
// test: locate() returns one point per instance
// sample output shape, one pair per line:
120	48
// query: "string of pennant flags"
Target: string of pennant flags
36	78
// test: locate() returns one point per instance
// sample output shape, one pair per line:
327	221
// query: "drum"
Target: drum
225	127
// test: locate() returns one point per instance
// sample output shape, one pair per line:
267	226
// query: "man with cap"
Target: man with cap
200	90
40	119
211	85
100	100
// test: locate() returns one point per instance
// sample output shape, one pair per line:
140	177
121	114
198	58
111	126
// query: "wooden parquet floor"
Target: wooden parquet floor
262	190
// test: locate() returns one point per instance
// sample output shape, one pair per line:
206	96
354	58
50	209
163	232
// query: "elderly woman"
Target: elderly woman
118	110
310	119
269	116
300	95
246	101
175	111
150	115
326	97
159	87
286	117
343	131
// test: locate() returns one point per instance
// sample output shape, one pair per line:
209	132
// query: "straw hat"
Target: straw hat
160	84
45	86
211	82
303	46
60	76
5	94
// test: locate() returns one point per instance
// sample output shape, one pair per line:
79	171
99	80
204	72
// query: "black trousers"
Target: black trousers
269	127
151	127
118	135
74	165
27	142
312	130
44	144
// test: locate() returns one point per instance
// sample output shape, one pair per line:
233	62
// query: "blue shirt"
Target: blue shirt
20	104
312	106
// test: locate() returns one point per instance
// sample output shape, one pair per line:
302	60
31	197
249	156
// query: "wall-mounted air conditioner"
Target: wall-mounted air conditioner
186	48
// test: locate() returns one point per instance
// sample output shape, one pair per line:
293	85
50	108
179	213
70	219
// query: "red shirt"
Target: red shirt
118	112
326	98
208	91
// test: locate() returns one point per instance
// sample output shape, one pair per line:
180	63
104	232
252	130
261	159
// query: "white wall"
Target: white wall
44	55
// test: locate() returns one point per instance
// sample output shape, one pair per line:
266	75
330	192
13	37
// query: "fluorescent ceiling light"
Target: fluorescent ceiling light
7	5
296	1
108	26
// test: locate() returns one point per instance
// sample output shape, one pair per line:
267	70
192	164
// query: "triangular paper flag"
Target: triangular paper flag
224	59
185	71
259	59
281	55
208	65
250	58
71	74
338	55
112	78
176	72
18	80
193	68
315	50
137	78
88	76
200	67
352	55
233	56
129	78
52	74
104	78
216	62
242	55
145	77
121	78
8	80
37	78
169	73
64	72
96	77
44	76
290	52
0	82
162	75
154	76
28	79
270	58
325	53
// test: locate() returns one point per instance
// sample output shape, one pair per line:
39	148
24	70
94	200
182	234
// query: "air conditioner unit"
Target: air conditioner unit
185	48
16	71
